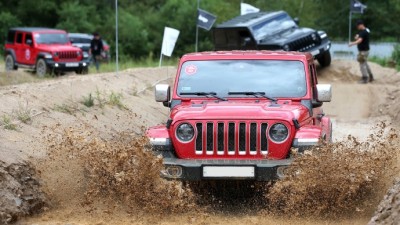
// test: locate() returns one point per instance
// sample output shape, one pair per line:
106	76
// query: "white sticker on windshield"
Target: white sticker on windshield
190	69
36	35
186	88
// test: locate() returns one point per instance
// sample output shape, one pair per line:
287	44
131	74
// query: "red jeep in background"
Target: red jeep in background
44	50
238	114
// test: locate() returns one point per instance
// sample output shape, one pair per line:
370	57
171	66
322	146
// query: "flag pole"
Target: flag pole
350	26
116	37
197	27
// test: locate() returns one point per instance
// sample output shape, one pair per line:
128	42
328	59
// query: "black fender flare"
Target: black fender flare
11	52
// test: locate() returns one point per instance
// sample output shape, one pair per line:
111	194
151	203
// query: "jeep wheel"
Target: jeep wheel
41	68
324	59
10	64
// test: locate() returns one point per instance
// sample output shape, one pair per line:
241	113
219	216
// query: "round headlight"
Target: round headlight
314	36
278	132
185	132
286	48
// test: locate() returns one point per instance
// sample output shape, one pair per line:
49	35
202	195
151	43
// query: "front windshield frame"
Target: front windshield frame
51	38
272	26
193	77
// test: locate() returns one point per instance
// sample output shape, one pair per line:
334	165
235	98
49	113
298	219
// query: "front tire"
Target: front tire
10	63
325	59
41	68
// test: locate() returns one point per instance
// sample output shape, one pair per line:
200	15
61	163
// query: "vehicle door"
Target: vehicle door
18	43
28	49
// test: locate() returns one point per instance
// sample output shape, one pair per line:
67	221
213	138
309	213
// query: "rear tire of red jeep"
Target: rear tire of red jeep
324	60
10	63
41	68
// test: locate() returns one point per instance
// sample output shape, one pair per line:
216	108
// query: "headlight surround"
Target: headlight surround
85	54
286	48
184	132
48	56
278	133
78	53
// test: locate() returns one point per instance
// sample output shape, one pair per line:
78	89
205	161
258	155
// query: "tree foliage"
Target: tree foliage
142	22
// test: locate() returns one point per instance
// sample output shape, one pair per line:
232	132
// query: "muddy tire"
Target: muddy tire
324	60
41	68
10	63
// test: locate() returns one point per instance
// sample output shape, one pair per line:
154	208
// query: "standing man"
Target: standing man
96	47
362	42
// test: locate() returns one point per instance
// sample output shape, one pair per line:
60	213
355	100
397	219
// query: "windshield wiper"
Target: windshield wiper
207	94
256	94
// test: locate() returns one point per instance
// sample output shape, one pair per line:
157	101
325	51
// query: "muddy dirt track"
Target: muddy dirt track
73	150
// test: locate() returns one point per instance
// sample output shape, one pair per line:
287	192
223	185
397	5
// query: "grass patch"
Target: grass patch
7	123
88	101
107	67
16	77
114	99
69	107
23	113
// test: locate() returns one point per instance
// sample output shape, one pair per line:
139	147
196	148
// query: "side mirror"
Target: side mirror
29	42
324	92
296	20
162	93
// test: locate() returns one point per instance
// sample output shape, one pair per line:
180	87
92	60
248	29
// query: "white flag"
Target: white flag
246	8
169	40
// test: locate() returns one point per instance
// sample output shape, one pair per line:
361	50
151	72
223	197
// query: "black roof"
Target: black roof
32	29
249	19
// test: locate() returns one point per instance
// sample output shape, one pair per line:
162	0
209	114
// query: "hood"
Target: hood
286	36
231	110
57	48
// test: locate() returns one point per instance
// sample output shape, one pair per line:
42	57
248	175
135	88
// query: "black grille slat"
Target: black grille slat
242	137
210	137
199	139
253	137
231	137
264	140
221	144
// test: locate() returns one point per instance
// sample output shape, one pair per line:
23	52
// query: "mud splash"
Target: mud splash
339	179
335	180
121	169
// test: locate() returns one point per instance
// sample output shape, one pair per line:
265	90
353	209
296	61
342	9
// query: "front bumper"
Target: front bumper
67	66
195	169
320	49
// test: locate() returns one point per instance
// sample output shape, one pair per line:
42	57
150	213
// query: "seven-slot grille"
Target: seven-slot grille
231	138
302	44
68	55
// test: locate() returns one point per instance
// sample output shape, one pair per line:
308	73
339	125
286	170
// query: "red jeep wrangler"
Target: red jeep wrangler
44	50
238	114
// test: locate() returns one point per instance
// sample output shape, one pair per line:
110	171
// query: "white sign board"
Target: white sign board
169	40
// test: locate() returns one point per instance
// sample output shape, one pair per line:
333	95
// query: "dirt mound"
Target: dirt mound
20	192
388	211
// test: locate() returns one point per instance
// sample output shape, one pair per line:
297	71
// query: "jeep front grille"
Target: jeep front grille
231	138
68	55
302	44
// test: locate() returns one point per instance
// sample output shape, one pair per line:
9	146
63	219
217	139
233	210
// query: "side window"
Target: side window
11	36
19	38
28	39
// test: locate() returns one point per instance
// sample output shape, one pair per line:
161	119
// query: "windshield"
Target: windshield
51	38
273	26
275	78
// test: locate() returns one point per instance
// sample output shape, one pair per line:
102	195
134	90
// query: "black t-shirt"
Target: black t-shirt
364	45
96	46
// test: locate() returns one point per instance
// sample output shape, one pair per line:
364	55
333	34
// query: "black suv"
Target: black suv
271	31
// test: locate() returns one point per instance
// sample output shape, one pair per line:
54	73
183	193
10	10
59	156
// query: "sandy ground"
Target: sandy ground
53	105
